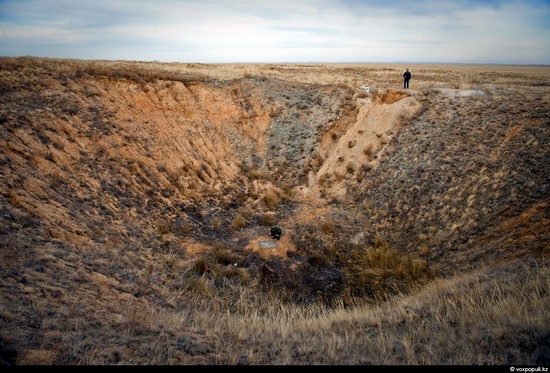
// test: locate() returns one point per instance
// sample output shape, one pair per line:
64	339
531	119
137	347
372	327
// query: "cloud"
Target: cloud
490	31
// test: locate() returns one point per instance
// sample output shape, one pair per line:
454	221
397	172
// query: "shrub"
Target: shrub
244	212
286	193
367	150
268	219
231	271
271	199
238	222
256	174
223	255
328	227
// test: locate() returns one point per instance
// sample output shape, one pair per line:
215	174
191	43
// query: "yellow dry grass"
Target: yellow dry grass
134	195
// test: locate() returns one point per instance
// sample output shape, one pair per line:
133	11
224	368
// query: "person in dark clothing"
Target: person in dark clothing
276	232
406	77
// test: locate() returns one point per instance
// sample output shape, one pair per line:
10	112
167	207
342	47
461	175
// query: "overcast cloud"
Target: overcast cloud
212	31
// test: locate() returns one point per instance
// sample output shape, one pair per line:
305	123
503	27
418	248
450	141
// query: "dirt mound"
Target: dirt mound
360	144
388	96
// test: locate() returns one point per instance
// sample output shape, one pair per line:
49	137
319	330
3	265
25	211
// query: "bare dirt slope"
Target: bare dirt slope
119	185
153	145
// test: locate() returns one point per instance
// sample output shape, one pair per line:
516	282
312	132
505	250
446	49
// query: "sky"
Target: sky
279	31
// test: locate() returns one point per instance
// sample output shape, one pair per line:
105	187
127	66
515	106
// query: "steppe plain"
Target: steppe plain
135	197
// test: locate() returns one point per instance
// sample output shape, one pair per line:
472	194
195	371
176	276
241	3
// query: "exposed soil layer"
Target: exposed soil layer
103	171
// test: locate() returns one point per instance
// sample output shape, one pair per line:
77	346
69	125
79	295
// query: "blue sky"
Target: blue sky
223	31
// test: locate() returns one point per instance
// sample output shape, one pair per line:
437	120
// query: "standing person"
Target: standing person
406	77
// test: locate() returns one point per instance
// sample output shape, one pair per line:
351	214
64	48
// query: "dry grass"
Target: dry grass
131	192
